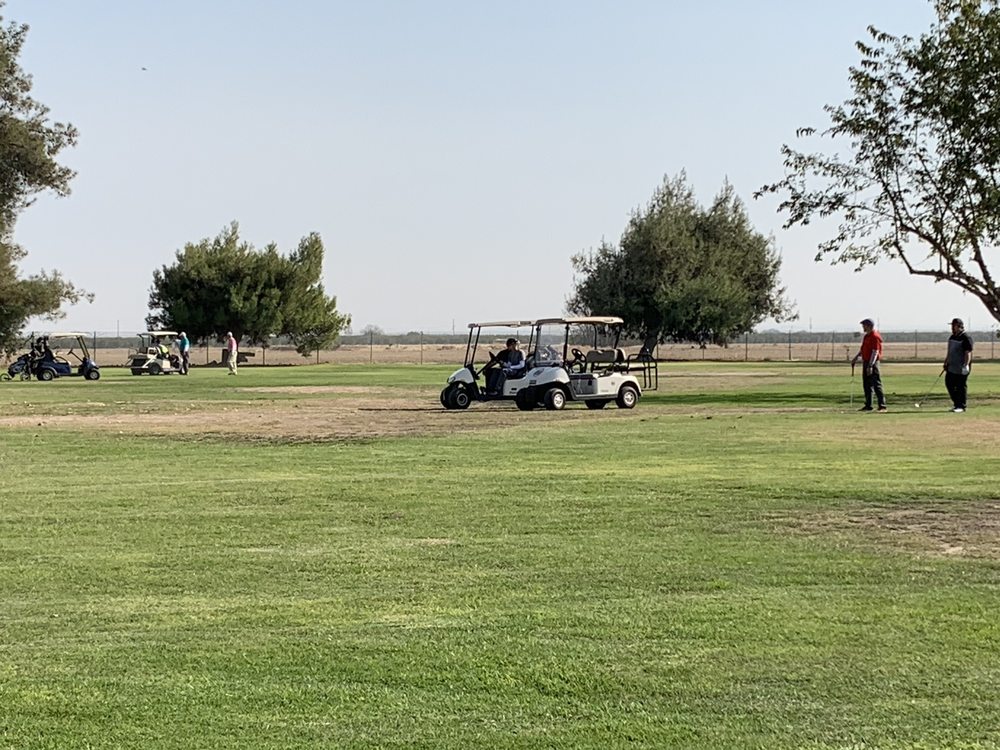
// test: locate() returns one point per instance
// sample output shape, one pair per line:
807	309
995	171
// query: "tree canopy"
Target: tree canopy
29	144
224	284
682	271
918	179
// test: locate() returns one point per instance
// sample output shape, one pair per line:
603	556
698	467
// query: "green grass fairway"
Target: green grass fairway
272	561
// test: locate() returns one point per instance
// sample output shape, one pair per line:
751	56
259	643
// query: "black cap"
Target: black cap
868	322
957	322
511	341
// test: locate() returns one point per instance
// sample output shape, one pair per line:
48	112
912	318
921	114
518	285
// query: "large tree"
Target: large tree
918	178
29	144
682	271
224	284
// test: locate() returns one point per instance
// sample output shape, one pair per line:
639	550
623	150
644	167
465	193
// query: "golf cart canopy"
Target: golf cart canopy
599	320
504	324
158	333
66	335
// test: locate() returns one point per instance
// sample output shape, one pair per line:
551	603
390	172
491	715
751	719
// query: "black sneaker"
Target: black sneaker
883	408
866	408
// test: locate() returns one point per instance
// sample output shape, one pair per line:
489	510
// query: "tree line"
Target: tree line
907	168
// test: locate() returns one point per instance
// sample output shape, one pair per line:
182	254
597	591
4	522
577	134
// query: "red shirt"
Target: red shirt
871	344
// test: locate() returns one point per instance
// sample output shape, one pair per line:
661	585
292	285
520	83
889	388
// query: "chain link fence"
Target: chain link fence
418	347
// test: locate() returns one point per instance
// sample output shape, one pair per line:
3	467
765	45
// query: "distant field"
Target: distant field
322	556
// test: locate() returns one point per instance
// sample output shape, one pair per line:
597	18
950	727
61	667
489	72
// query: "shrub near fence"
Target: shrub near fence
446	348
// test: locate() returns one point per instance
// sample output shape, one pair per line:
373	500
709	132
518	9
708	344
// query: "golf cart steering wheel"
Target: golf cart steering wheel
579	360
490	363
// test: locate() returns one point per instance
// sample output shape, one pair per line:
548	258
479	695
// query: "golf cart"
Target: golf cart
49	358
476	380
581	362
154	355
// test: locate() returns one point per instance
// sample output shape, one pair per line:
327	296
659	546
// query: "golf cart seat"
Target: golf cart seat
601	359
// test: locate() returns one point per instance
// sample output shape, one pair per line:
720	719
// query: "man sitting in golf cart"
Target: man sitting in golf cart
510	364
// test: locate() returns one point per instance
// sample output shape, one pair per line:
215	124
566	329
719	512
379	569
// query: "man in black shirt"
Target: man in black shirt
958	364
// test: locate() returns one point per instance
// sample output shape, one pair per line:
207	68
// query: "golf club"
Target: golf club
852	386
917	403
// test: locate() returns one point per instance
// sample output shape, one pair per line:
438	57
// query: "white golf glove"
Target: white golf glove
965	370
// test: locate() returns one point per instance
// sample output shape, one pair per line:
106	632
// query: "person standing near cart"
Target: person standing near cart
870	355
958	365
233	348
184	347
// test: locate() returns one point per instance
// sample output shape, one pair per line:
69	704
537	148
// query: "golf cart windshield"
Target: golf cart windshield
492	337
155	342
63	345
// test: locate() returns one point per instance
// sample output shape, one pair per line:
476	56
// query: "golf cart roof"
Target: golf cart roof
596	320
158	333
504	324
65	335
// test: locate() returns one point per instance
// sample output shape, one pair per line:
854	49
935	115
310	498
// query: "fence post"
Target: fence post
789	344
916	345
371	347
421	347
746	346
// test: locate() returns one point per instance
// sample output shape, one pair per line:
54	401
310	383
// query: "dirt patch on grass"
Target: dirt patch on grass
955	529
366	414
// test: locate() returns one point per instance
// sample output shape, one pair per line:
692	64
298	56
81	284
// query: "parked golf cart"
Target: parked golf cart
588	366
154	355
51	359
469	383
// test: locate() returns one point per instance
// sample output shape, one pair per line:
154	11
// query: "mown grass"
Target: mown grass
670	579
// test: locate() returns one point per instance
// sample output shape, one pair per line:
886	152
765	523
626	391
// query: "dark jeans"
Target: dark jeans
957	386
873	384
494	379
185	361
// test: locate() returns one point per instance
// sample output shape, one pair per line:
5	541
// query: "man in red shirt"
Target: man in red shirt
871	357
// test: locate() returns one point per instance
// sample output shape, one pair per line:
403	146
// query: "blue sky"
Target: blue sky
453	155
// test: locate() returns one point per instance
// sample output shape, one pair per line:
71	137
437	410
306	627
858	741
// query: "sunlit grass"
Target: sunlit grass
740	563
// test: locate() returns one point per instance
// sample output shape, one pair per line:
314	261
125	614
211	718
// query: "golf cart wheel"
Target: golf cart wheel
628	397
445	395
154	368
93	375
46	374
460	399
137	371
525	400
596	404
5	376
555	399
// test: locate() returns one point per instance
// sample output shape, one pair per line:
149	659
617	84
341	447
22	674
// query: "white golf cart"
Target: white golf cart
155	355
481	380
578	359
